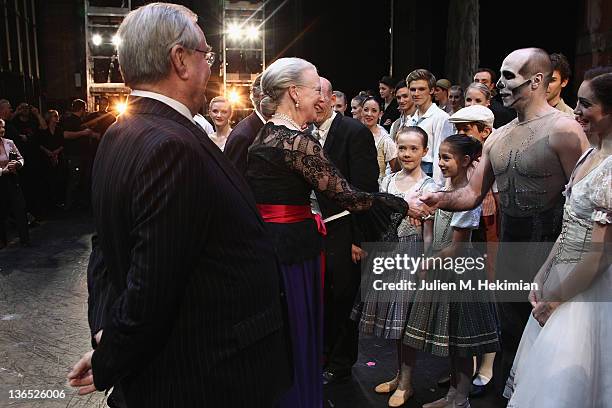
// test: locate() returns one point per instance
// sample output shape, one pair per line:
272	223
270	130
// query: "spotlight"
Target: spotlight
116	40
252	33
96	39
234	31
233	97
121	107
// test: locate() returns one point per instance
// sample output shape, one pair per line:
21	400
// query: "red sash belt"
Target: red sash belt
288	214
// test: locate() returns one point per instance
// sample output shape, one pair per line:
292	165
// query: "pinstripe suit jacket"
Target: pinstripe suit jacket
183	278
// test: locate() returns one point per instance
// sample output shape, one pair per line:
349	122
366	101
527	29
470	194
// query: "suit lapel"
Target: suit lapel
152	106
331	138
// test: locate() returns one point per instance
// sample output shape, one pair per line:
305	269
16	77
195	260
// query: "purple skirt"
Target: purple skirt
303	293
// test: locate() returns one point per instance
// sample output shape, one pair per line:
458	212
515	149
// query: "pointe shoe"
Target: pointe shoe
387	387
400	397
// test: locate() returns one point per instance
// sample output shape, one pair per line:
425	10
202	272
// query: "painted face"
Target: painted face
456	98
309	95
475	97
356	109
404	101
555	86
449	161
471	129
384	90
588	110
441	94
410	150
370	113
484	78
420	92
220	112
513	87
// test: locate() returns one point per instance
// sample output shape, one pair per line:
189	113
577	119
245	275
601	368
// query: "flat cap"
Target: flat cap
474	113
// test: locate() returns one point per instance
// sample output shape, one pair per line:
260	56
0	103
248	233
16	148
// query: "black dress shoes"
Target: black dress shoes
332	376
479	390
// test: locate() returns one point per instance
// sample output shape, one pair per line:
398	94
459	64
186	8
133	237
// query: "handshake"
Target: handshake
423	206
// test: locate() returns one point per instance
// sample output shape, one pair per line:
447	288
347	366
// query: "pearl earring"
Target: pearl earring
297	104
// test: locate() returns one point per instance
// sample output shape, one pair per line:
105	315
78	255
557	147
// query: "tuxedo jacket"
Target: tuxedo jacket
350	147
239	140
183	278
392	112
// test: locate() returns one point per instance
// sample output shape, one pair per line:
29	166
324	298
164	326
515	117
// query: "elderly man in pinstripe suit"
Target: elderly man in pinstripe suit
185	304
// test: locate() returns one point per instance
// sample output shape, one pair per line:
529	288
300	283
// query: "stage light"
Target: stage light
252	33
234	31
116	40
233	97
121	107
96	39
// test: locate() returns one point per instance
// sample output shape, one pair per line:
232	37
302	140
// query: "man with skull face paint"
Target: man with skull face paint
531	159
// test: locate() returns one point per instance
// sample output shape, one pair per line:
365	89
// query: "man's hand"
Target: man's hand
431	199
81	376
418	209
357	254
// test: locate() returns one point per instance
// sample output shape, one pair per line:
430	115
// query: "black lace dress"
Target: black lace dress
283	167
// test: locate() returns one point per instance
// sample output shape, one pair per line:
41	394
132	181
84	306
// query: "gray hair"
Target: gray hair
482	88
279	76
148	34
256	94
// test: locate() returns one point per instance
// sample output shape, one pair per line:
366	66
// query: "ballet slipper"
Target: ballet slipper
400	397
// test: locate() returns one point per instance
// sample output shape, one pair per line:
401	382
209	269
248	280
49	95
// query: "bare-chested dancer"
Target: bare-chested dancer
531	159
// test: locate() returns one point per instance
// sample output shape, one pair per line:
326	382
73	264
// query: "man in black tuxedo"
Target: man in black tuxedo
350	146
184	300
386	89
242	136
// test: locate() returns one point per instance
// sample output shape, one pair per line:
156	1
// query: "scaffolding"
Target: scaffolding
103	78
244	51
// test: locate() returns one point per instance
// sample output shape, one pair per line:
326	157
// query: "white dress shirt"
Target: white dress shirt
435	123
173	103
201	120
324	128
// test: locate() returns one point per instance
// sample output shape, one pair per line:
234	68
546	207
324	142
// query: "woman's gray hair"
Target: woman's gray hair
148	34
279	76
482	88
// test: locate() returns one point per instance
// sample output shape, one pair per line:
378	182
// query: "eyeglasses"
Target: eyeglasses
208	55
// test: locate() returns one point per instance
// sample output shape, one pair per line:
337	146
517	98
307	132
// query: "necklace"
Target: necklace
288	119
